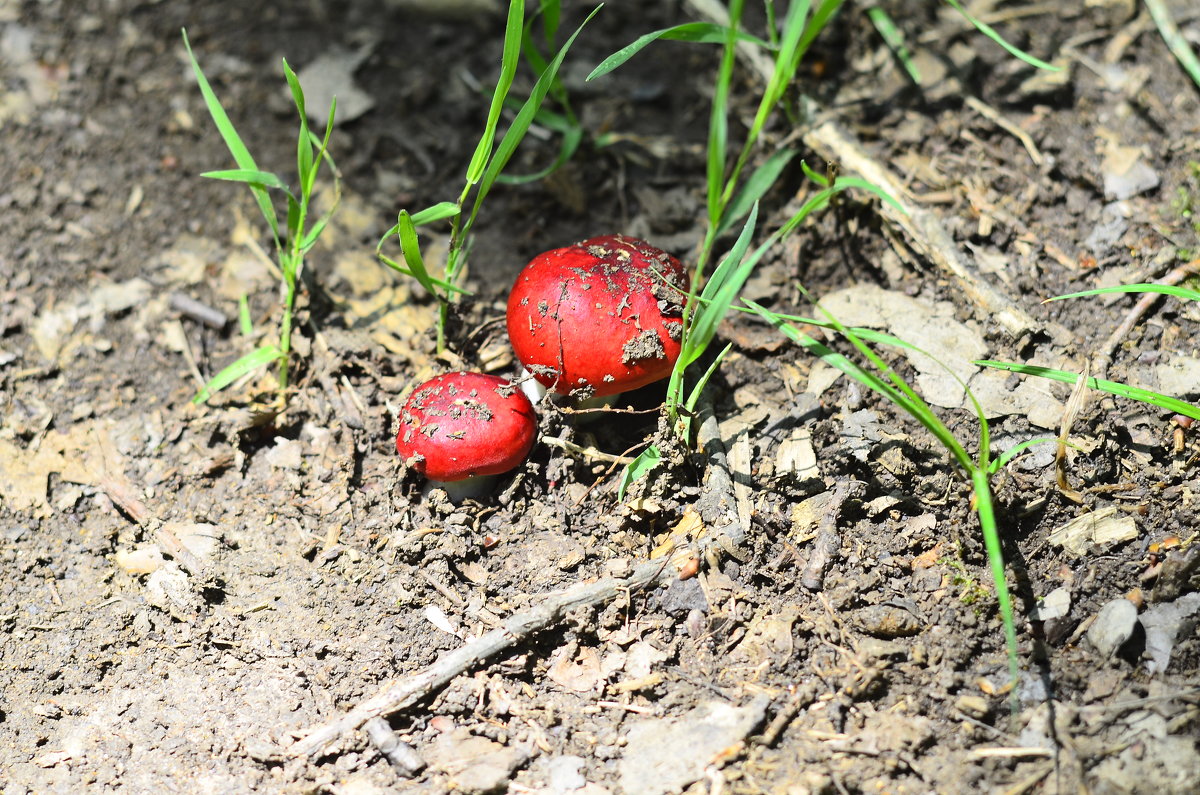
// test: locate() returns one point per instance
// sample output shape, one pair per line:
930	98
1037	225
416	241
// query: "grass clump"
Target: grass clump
293	239
483	171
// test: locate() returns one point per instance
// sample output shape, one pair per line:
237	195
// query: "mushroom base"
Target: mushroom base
534	390
457	491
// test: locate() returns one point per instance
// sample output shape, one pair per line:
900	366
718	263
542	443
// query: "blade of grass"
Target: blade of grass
1002	460
991	542
233	141
992	34
551	16
720	292
756	186
1165	402
906	398
508	70
641	466
698	389
437	212
1174	39
257	358
894	39
520	125
445	285
244	322
894	388
261	179
406	230
572	137
718	126
304	153
1165	289
697	32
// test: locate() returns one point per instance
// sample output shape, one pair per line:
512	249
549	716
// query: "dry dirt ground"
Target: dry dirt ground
215	600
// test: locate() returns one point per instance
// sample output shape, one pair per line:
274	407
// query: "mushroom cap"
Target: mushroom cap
599	317
459	425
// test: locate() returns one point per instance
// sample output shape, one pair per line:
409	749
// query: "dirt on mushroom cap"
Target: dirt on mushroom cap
598	317
459	425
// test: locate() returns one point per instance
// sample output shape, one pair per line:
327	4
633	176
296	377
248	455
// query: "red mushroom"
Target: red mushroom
459	429
600	317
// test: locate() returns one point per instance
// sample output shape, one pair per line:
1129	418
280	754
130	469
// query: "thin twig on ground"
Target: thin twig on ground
827	542
993	115
929	237
922	226
1103	356
402	756
720	511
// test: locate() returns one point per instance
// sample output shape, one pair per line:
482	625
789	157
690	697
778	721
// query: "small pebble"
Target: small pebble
1113	626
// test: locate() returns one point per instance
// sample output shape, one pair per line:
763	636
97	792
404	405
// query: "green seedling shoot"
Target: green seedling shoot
1149	397
483	172
292	241
883	380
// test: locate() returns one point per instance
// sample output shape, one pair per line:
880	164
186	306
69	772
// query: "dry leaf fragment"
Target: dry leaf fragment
1098	528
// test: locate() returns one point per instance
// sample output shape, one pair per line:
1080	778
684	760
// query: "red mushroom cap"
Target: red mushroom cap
459	425
599	317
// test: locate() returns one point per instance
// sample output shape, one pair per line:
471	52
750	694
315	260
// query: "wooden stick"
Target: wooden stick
718	506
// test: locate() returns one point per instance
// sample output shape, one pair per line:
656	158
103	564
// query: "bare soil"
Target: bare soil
191	595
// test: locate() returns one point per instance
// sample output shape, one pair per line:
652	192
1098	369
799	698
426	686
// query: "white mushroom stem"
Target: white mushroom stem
534	390
457	491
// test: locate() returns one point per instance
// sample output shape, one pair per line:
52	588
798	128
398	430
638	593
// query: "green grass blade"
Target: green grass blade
538	61
445	285
771	27
245	324
718	120
322	152
310	237
755	188
437	212
719	293
894	388
820	179
698	389
508	70
991	542
698	32
295	213
304	152
1165	402
1165	289
233	142
848	183
787	60
992	34
262	179
641	466
551	17
571	140
831	357
894	39
1176	43
248	363
406	230
1002	460
520	125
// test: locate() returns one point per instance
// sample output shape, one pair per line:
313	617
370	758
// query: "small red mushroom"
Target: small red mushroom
600	317
459	429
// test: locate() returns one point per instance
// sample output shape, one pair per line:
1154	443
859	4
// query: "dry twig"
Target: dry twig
929	237
720	511
1103	357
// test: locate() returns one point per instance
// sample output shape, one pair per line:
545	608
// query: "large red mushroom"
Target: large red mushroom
459	429
599	317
